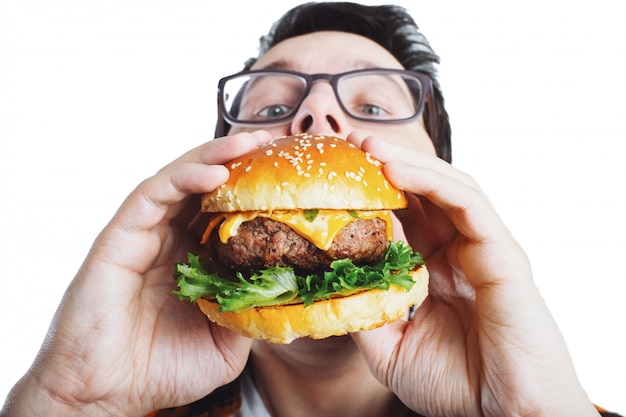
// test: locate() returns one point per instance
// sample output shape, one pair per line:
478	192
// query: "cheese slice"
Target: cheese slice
321	231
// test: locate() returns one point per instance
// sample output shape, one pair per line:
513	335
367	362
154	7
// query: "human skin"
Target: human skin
483	343
121	343
484	330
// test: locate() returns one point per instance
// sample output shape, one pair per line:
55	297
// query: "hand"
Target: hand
121	343
483	342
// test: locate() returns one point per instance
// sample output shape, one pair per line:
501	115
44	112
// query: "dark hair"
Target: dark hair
388	25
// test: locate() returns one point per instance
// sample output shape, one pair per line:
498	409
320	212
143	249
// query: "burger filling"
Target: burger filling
319	226
262	243
267	263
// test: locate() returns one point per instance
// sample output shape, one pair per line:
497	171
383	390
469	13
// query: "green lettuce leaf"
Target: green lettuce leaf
280	285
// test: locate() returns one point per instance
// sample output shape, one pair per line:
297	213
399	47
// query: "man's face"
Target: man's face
320	113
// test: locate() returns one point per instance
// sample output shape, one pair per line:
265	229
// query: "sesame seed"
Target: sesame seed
248	168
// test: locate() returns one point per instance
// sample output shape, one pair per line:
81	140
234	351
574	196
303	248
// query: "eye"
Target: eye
369	106
366	99
274	111
371	110
377	96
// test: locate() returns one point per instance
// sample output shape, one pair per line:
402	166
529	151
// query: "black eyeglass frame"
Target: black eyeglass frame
225	121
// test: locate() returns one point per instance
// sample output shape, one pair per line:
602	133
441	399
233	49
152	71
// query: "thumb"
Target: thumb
379	346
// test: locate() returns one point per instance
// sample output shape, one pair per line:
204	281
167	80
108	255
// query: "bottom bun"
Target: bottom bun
333	317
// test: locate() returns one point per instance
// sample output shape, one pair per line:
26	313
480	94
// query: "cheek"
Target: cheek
423	143
412	135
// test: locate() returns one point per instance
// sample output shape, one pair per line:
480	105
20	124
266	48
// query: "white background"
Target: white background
97	95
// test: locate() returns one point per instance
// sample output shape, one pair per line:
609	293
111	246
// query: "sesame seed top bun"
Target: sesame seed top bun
305	172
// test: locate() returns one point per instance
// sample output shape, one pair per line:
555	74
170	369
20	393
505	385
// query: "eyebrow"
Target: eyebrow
280	64
293	65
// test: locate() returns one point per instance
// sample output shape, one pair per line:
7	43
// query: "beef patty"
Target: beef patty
262	242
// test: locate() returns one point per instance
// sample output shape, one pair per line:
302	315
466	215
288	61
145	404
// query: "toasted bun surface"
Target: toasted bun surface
334	317
305	172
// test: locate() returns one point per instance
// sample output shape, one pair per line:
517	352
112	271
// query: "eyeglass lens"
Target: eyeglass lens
273	97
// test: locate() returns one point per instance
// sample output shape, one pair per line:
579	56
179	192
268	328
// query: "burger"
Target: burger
300	244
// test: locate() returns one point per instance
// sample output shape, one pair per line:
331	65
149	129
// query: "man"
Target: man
483	343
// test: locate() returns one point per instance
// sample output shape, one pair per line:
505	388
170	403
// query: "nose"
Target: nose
320	114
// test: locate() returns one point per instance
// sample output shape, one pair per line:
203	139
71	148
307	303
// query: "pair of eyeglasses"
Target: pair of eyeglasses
267	98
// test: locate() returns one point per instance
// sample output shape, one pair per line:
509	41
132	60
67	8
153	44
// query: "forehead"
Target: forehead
327	52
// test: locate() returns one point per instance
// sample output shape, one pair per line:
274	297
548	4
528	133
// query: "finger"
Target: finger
462	201
149	203
230	147
485	250
426	227
357	138
143	227
221	150
379	347
198	171
218	151
389	152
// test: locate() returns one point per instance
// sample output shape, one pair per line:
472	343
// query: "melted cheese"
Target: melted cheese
321	231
